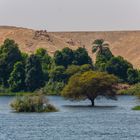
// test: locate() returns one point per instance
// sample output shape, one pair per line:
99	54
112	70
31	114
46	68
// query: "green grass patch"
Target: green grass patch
136	108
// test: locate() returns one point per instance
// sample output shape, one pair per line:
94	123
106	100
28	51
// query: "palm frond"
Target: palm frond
105	44
94	49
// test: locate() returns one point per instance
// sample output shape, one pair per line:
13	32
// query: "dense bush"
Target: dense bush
64	57
4	90
57	74
34	74
68	57
9	55
32	103
73	69
17	78
133	90
45	61
132	76
53	88
118	66
81	57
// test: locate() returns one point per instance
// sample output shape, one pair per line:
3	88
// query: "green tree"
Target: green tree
57	74
81	57
9	55
24	57
103	58
90	85
17	78
58	58
45	60
72	69
132	76
98	45
67	56
53	88
43	57
41	52
64	57
34	74
86	67
118	66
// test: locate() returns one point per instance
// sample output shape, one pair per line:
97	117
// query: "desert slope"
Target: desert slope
124	43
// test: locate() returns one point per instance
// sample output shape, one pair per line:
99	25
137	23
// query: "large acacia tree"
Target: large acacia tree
90	85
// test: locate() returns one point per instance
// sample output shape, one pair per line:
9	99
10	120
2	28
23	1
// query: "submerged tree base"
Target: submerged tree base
32	103
136	108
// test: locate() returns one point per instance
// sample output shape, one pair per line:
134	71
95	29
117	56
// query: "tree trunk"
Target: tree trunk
101	49
92	102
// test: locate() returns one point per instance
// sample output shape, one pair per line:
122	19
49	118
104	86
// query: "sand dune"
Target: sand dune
124	43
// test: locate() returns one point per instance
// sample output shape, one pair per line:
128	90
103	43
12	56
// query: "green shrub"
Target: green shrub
32	103
4	90
53	88
136	108
50	108
133	90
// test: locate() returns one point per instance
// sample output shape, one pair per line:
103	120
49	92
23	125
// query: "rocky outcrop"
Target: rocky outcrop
42	35
71	42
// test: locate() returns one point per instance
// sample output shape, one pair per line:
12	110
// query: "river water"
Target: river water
109	120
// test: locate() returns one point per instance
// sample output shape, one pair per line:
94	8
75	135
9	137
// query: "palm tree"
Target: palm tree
99	45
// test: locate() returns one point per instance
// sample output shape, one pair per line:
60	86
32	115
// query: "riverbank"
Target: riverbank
121	92
15	93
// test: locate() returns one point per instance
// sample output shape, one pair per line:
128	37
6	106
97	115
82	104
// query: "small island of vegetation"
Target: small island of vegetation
32	103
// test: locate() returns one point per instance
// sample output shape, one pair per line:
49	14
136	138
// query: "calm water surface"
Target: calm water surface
109	120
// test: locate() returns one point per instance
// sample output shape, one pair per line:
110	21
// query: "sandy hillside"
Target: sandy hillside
126	44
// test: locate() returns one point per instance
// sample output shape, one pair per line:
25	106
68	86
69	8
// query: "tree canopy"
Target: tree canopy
68	57
34	74
28	72
81	57
89	85
118	66
103	58
107	62
64	57
17	78
99	45
9	55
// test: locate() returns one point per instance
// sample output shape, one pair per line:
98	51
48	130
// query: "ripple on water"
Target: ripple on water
109	120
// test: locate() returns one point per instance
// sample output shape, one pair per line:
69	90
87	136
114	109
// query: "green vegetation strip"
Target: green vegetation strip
136	108
133	90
